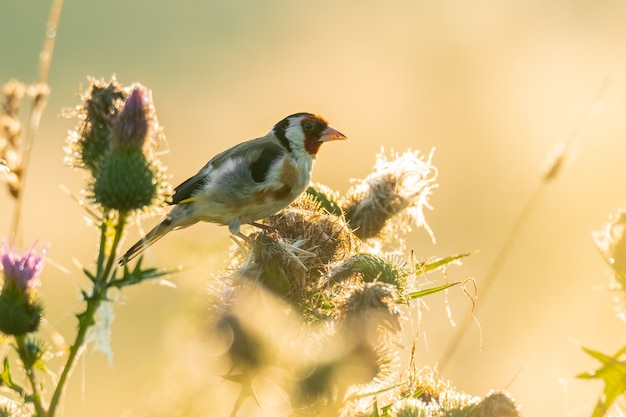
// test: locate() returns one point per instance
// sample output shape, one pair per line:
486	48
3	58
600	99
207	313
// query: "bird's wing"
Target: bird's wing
186	189
258	154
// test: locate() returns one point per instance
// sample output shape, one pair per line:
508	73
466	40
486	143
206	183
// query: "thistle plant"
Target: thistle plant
114	144
311	309
20	314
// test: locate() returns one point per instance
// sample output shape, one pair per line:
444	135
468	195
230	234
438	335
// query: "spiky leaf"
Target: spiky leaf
432	264
139	274
613	373
7	380
423	293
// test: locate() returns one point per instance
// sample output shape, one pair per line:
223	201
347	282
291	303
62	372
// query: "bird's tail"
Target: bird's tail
153	235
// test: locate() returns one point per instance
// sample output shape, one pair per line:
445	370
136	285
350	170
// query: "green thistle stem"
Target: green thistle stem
102	249
86	319
37	398
117	238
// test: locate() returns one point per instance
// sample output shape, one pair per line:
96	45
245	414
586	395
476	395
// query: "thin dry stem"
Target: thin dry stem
549	175
39	94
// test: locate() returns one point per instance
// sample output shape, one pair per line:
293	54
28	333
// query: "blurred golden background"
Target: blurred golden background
492	85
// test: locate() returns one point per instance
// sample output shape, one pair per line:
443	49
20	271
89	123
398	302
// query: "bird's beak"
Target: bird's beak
331	134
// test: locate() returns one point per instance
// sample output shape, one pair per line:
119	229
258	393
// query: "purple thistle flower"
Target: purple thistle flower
22	269
132	124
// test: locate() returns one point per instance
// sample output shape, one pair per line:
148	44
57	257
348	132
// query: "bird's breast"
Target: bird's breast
293	174
285	182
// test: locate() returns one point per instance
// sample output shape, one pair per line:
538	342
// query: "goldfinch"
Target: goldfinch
248	182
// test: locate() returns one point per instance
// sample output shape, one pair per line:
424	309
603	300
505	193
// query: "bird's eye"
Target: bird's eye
308	126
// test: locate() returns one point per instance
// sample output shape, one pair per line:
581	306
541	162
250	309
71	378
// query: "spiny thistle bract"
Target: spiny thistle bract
369	268
115	142
19	313
125	182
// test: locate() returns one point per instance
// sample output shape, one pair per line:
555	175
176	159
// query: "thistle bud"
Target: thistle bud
126	181
20	308
90	142
369	308
397	189
291	261
499	404
115	141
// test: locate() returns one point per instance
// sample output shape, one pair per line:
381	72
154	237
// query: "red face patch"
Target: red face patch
313	128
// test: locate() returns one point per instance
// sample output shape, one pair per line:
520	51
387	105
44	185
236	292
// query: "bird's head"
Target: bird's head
305	131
